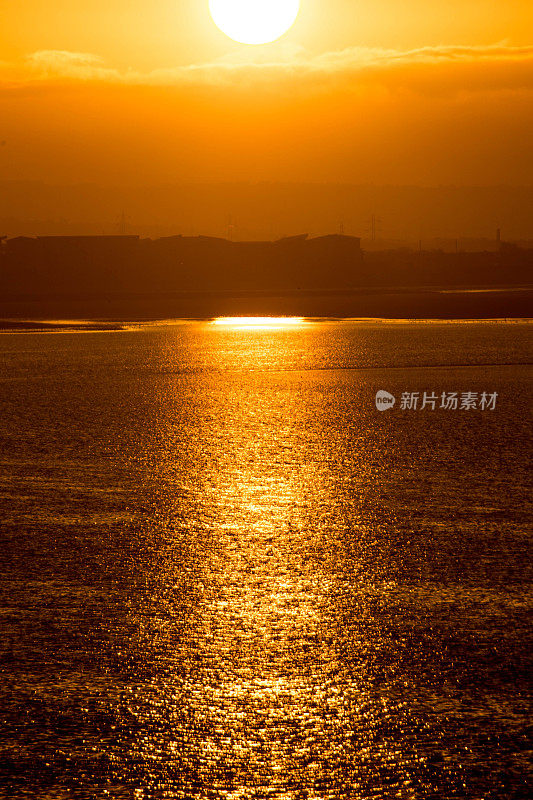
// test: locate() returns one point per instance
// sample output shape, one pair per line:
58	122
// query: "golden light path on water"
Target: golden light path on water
265	323
256	695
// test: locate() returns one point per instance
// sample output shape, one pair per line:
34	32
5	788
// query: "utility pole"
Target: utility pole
122	224
374	224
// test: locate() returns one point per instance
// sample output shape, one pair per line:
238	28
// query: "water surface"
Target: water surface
226	575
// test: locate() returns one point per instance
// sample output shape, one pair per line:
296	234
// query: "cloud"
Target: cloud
436	70
494	66
65	64
63	59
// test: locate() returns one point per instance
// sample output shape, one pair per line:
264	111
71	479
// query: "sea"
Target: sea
226	574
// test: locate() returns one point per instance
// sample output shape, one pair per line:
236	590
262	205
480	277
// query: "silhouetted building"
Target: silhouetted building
106	265
117	263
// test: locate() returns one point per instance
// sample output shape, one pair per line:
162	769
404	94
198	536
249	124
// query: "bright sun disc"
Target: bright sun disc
254	21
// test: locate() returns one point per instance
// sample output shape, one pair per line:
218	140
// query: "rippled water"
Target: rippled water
226	575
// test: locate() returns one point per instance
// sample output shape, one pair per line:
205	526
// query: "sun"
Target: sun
254	21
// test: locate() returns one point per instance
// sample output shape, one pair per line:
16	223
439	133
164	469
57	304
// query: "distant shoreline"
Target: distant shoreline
103	310
30	327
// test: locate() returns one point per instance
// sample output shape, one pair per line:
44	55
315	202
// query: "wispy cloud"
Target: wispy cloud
435	69
65	64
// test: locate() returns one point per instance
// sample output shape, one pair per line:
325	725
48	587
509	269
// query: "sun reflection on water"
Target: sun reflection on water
269	323
262	672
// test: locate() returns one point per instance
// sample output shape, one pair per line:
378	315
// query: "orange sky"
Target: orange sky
385	92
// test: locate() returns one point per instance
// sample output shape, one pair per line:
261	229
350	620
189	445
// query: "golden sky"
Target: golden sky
390	91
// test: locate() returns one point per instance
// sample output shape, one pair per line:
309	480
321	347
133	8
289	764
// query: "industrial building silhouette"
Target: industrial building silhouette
130	277
178	263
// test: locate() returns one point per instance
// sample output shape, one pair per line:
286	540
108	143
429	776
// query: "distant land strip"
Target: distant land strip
126	277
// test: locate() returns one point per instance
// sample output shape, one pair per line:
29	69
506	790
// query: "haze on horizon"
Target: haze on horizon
135	93
264	210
